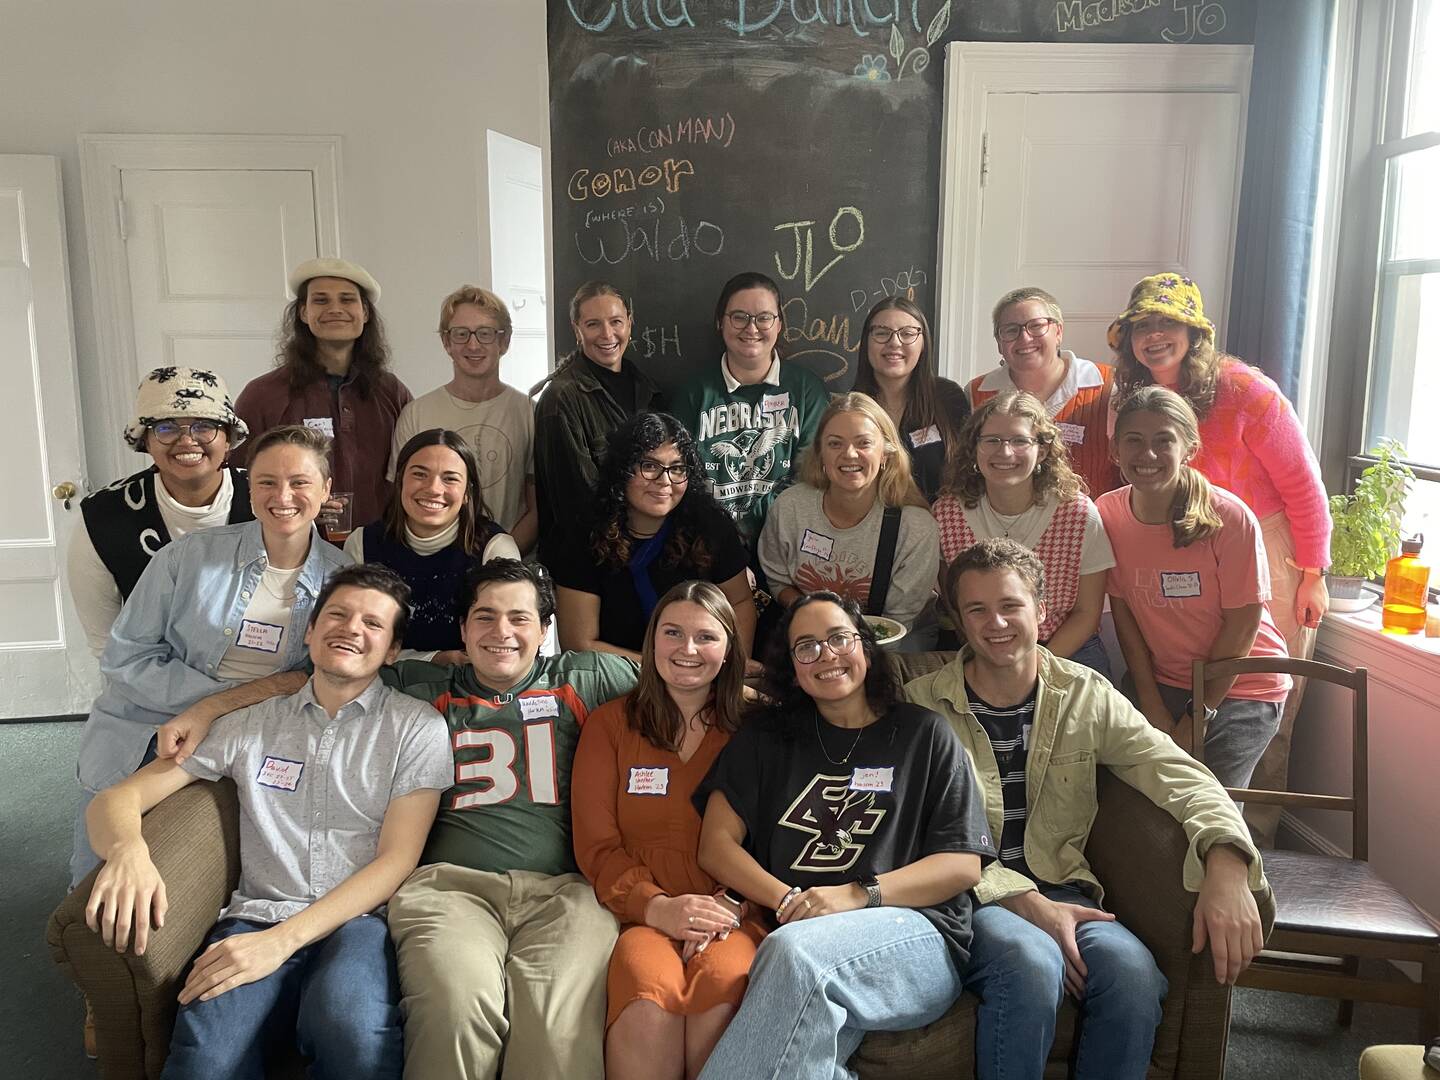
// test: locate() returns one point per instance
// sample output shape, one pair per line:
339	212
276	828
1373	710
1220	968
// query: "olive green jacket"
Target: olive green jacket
1082	722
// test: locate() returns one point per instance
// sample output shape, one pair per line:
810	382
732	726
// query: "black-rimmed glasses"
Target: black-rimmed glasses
809	650
650	469
168	432
763	320
1035	328
881	335
461	335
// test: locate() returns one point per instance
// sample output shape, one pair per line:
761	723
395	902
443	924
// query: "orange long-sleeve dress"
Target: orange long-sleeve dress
636	837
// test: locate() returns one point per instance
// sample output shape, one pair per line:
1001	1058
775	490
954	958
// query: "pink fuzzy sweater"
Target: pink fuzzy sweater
1253	446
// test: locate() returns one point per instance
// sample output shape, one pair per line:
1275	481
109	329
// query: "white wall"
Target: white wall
410	85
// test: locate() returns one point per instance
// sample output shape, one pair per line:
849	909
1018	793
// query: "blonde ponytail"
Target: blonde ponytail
1192	515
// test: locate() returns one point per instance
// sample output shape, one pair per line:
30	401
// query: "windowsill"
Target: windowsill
1410	663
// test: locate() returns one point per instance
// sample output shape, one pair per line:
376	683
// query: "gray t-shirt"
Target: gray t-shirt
799	547
314	791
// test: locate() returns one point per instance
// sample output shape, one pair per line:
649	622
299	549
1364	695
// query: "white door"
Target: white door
517	255
1084	194
45	668
1081	169
208	252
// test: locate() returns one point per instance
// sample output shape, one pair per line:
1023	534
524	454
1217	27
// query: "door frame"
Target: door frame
102	159
976	69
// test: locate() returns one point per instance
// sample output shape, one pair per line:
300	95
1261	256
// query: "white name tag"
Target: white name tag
873	779
648	781
1176	586
279	773
325	424
817	544
1072	433
1025	736
775	402
533	708
259	635
925	436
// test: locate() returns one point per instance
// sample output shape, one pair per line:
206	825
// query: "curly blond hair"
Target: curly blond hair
1053	475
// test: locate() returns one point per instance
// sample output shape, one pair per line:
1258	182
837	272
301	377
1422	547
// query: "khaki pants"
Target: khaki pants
1273	771
501	968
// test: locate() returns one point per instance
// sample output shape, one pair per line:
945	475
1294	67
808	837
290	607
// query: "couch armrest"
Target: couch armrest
194	841
1138	852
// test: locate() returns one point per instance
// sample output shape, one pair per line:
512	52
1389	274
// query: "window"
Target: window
1397	322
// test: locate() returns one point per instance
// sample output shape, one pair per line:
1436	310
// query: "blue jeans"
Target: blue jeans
819	985
1018	972
1092	654
337	999
1236	736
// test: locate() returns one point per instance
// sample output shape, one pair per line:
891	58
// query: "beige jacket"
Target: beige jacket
1082	722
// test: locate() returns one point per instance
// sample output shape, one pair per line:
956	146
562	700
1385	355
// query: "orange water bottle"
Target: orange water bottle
1406	581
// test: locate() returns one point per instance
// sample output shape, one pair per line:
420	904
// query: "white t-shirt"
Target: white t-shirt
501	431
258	648
92	587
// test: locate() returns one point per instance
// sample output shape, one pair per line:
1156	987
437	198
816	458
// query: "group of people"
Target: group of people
461	857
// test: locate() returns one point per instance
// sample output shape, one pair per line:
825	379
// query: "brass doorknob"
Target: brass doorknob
64	491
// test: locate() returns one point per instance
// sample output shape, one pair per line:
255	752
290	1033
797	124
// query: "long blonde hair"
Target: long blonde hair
1053	477
896	484
1192	513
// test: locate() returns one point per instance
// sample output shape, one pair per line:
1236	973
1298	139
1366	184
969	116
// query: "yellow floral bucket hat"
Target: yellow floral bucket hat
1168	295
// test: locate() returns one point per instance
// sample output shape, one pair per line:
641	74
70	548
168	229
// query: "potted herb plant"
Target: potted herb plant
1367	527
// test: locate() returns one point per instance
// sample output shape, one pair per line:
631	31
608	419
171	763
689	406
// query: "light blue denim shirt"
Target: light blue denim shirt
172	633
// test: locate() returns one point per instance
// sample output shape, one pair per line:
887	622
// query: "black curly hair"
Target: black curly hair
781	698
697	513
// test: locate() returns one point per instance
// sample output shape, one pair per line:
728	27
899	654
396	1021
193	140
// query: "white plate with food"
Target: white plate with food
887	631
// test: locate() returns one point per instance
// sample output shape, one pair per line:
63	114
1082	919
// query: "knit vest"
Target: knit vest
1058	550
435	582
126	528
1085	417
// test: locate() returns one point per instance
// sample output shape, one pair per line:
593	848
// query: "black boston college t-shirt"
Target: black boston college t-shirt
906	792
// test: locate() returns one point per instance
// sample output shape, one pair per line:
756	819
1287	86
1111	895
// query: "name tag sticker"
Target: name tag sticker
925	436
1177	586
648	780
533	708
1074	434
280	773
775	402
873	779
325	424
1025	736
817	544
263	636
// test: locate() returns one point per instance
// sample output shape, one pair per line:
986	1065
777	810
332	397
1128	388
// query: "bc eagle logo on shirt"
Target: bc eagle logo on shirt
834	817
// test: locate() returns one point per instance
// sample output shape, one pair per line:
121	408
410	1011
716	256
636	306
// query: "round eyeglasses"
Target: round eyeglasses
809	650
992	443
461	335
741	319
1036	328
881	335
168	432
650	469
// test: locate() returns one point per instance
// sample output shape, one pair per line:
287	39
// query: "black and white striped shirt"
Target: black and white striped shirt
1009	732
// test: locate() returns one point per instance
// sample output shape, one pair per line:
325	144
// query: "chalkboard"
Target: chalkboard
693	140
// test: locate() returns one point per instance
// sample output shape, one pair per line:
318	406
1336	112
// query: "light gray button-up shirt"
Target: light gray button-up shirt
313	791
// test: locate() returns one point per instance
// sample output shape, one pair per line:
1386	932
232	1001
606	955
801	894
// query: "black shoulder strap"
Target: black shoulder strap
884	561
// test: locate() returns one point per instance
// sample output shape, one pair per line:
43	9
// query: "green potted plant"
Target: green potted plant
1367	527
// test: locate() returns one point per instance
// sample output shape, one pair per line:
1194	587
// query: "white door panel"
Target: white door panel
45	668
1086	193
517	254
208	253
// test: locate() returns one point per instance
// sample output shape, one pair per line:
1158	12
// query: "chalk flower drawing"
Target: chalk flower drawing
873	69
877	69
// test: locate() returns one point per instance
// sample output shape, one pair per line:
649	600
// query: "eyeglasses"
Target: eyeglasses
485	335
741	319
840	643
168	432
650	469
1035	328
907	334
992	443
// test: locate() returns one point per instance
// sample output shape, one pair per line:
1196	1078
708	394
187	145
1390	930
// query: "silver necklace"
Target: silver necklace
821	740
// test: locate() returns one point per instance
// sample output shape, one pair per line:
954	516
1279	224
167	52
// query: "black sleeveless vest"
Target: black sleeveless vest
434	581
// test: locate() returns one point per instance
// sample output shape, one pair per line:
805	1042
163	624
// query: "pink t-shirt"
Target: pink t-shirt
1178	595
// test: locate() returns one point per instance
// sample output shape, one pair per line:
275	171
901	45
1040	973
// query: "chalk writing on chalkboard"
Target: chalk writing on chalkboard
1203	17
837	245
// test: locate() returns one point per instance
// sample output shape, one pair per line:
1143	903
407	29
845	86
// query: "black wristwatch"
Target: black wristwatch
871	885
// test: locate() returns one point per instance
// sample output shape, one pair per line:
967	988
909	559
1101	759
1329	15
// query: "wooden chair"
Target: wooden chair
1329	907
